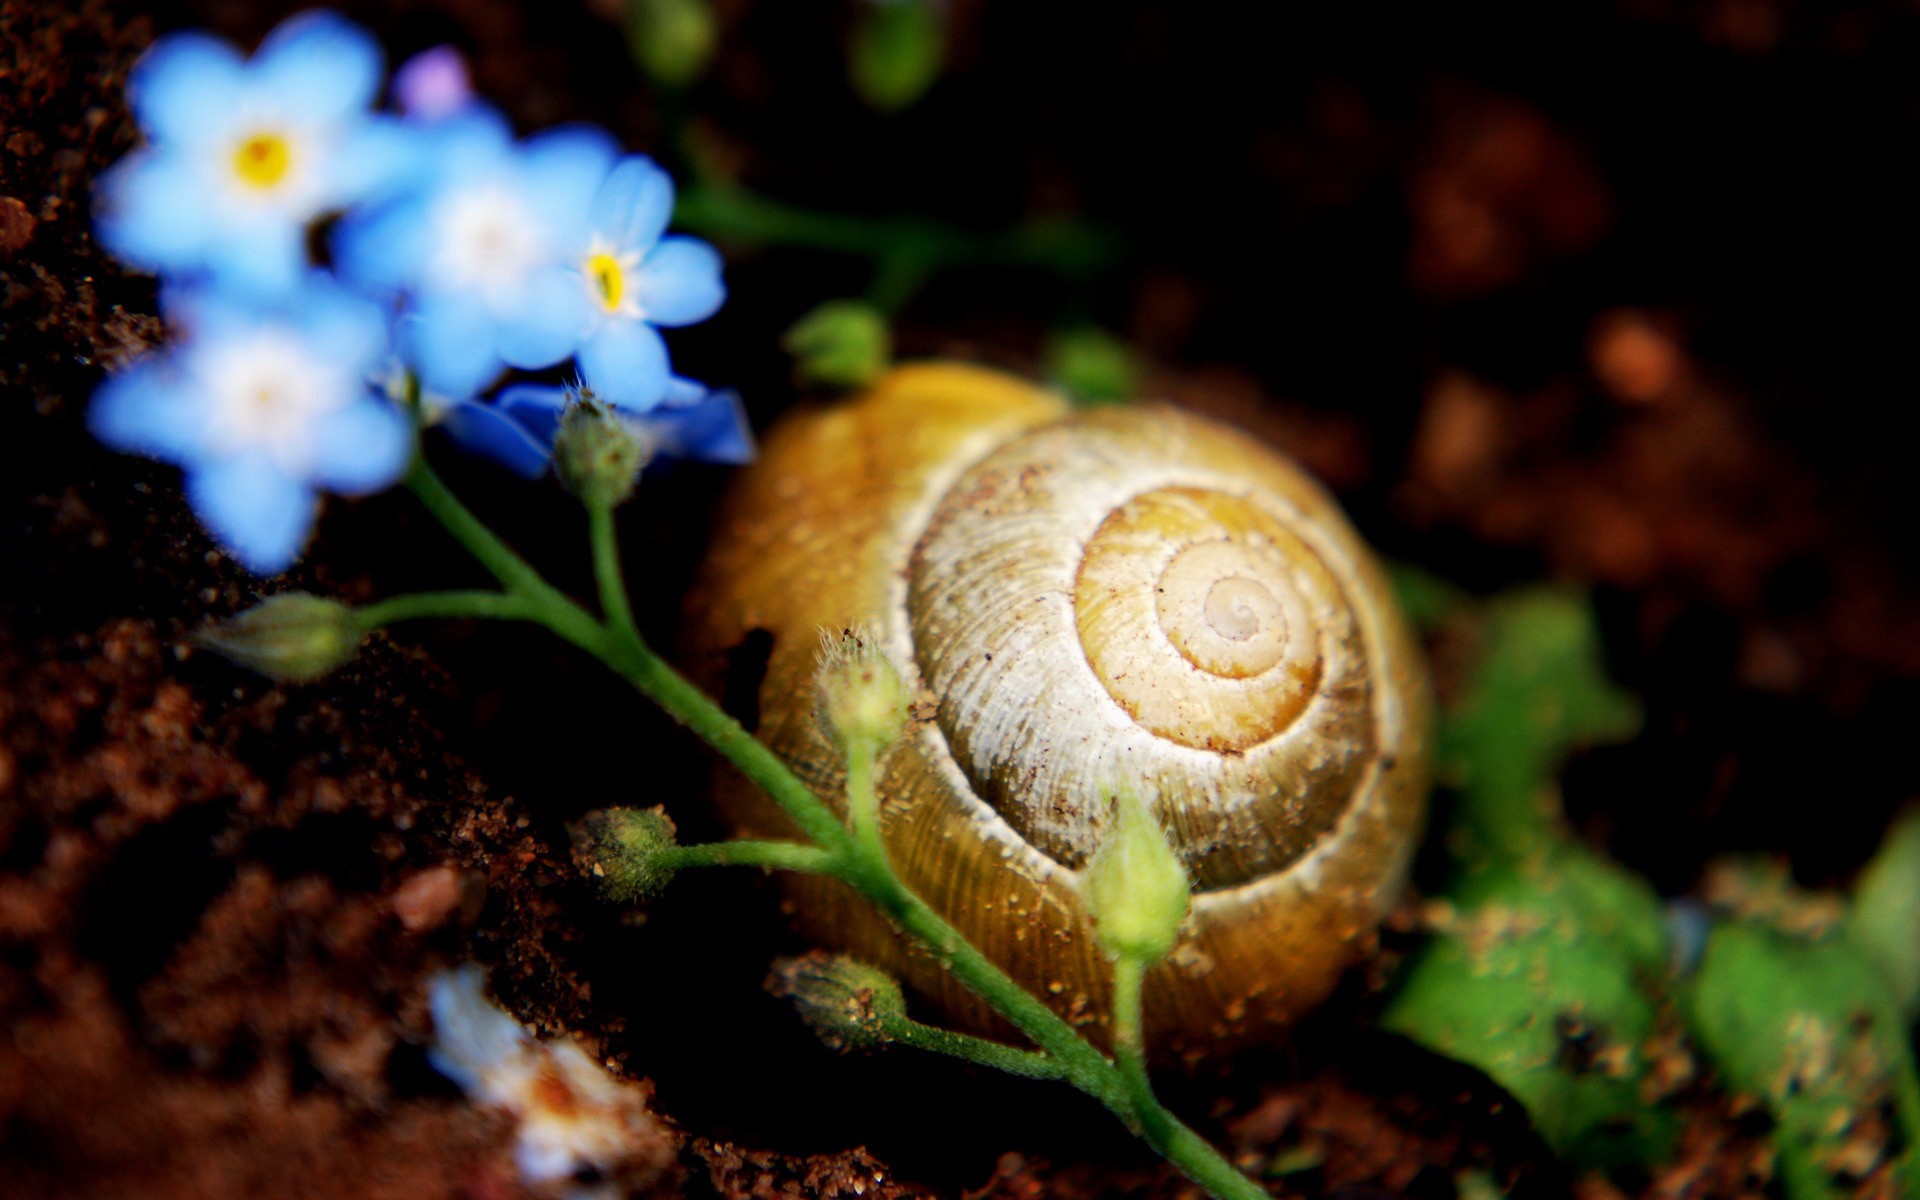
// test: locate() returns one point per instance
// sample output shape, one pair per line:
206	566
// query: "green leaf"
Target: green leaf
1808	1025
1541	978
898	48
1539	692
1884	919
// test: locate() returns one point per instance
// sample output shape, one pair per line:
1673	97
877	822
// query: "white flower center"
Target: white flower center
488	240
265	393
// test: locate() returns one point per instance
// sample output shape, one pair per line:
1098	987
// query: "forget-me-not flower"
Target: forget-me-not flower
634	279
480	251
263	406
243	154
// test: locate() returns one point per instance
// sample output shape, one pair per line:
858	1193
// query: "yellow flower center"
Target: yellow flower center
609	281
262	159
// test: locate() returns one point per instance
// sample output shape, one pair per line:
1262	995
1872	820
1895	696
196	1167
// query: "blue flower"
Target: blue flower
517	429
632	280
263	406
480	252
242	155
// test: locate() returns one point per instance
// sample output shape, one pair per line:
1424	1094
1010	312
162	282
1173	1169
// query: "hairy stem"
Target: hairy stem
1030	1064
745	852
505	606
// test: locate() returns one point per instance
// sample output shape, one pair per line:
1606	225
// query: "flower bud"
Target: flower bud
897	51
1094	367
674	40
842	343
627	851
863	699
290	638
1135	887
849	1005
598	453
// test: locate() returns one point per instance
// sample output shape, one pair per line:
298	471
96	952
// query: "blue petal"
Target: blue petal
266	257
449	340
383	249
318	66
143	410
379	157
536	408
187	89
345	328
634	204
682	392
714	429
152	211
679	282
362	448
546	325
256	512
564	169
484	430
625	363
434	83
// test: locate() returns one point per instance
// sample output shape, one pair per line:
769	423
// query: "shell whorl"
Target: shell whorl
1095	605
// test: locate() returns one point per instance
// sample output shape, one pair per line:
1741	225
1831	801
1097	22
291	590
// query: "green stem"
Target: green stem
1180	1145
1027	1063
611	580
505	606
863	804
779	856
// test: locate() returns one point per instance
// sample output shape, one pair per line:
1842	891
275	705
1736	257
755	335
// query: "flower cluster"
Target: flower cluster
453	254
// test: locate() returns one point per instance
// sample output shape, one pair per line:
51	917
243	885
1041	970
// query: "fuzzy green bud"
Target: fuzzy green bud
1094	367
627	850
842	343
673	39
897	51
849	1005
290	638
598	453
1135	887
864	701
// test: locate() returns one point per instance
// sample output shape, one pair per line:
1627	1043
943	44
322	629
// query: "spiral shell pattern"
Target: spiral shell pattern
1085	601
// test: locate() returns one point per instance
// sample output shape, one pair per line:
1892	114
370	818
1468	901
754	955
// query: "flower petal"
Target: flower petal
536	408
625	363
682	392
383	249
151	211
449	340
564	169
546	325
318	66
143	410
634	204
378	158
679	282
364	447
252	509
266	257
186	89
351	331
713	429
485	430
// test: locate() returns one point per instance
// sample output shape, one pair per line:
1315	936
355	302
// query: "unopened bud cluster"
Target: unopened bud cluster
291	638
849	1005
628	850
598	453
864	702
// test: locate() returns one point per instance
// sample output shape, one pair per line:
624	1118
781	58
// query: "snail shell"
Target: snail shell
1084	600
